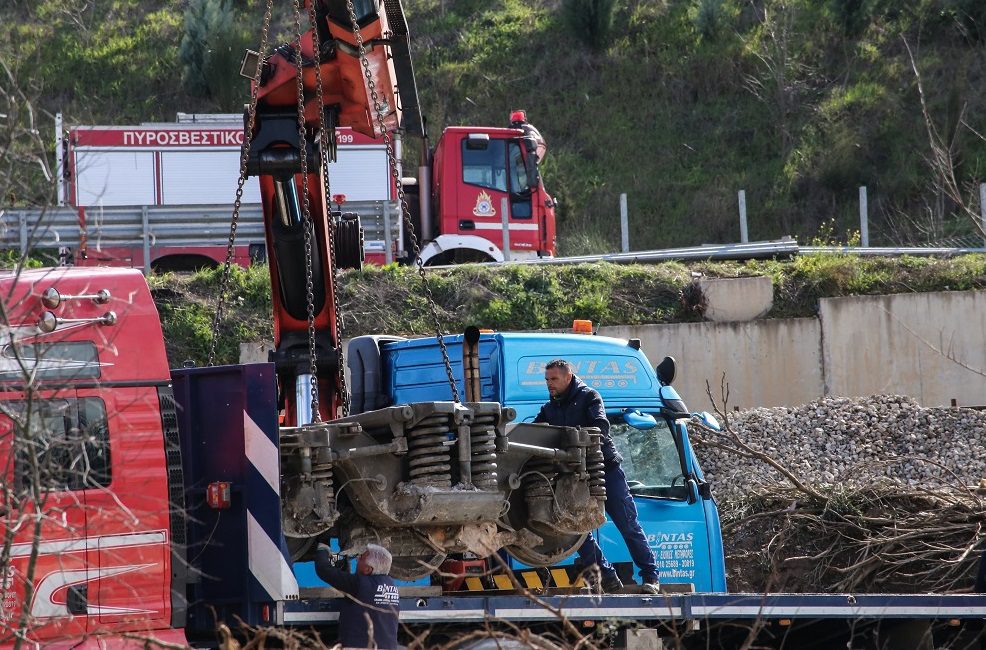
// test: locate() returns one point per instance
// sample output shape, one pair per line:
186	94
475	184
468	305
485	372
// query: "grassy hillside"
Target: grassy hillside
798	102
391	300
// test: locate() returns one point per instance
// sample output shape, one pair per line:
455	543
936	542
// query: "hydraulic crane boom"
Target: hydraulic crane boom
354	90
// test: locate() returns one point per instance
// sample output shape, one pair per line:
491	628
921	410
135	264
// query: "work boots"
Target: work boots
607	584
611	584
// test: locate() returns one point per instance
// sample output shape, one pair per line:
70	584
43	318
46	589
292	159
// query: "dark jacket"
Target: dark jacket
373	596
581	406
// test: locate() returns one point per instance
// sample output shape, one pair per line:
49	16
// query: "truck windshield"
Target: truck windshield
63	442
650	459
62	360
485	167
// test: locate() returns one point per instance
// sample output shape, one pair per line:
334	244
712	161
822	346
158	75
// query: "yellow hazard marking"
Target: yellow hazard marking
560	577
533	580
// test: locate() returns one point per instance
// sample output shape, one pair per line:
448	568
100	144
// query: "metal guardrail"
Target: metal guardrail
717	252
888	251
192	225
167	226
749	251
208	225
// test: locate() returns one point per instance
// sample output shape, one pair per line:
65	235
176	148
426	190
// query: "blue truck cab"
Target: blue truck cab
674	504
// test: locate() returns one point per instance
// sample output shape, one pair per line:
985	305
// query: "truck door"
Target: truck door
493	170
44	505
129	507
520	183
672	520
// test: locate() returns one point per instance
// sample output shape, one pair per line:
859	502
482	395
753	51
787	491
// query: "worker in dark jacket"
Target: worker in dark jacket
371	598
573	404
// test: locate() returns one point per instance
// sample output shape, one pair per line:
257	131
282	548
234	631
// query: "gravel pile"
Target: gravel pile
851	442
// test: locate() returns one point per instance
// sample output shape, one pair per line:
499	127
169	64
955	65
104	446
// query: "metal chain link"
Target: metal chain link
405	211
244	157
323	141
306	217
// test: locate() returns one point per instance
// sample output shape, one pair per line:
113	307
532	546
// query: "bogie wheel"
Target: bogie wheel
554	546
551	552
415	567
298	547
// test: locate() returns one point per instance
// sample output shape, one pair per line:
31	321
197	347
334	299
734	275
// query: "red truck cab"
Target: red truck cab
83	437
476	169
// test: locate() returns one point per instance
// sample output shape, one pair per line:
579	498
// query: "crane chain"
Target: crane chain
323	141
244	157
306	215
405	211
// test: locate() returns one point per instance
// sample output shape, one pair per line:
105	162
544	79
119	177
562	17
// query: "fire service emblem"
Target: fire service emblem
484	206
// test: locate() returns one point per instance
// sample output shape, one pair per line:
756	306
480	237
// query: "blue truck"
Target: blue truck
674	503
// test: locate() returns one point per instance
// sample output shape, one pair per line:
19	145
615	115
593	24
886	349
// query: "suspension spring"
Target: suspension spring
322	475
539	480
429	452
595	464
483	435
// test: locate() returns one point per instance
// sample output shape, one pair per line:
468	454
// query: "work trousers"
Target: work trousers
622	510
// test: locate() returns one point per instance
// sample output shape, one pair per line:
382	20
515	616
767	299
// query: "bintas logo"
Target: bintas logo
484	206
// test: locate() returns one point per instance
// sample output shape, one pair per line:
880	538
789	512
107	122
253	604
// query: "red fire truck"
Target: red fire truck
158	195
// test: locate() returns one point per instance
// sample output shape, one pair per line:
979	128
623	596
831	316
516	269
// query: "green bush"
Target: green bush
852	16
391	300
209	52
591	20
12	259
711	19
970	17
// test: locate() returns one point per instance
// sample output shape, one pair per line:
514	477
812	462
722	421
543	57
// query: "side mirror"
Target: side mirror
708	420
666	371
531	167
638	420
673	407
693	492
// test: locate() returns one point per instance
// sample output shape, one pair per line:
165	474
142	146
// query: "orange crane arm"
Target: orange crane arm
290	189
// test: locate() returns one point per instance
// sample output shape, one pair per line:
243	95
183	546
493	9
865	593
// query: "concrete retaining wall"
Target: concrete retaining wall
767	362
929	346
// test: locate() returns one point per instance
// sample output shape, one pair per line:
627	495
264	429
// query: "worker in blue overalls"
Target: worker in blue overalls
372	601
573	404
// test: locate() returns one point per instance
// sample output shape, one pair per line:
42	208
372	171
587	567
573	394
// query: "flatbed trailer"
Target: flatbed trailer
696	620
